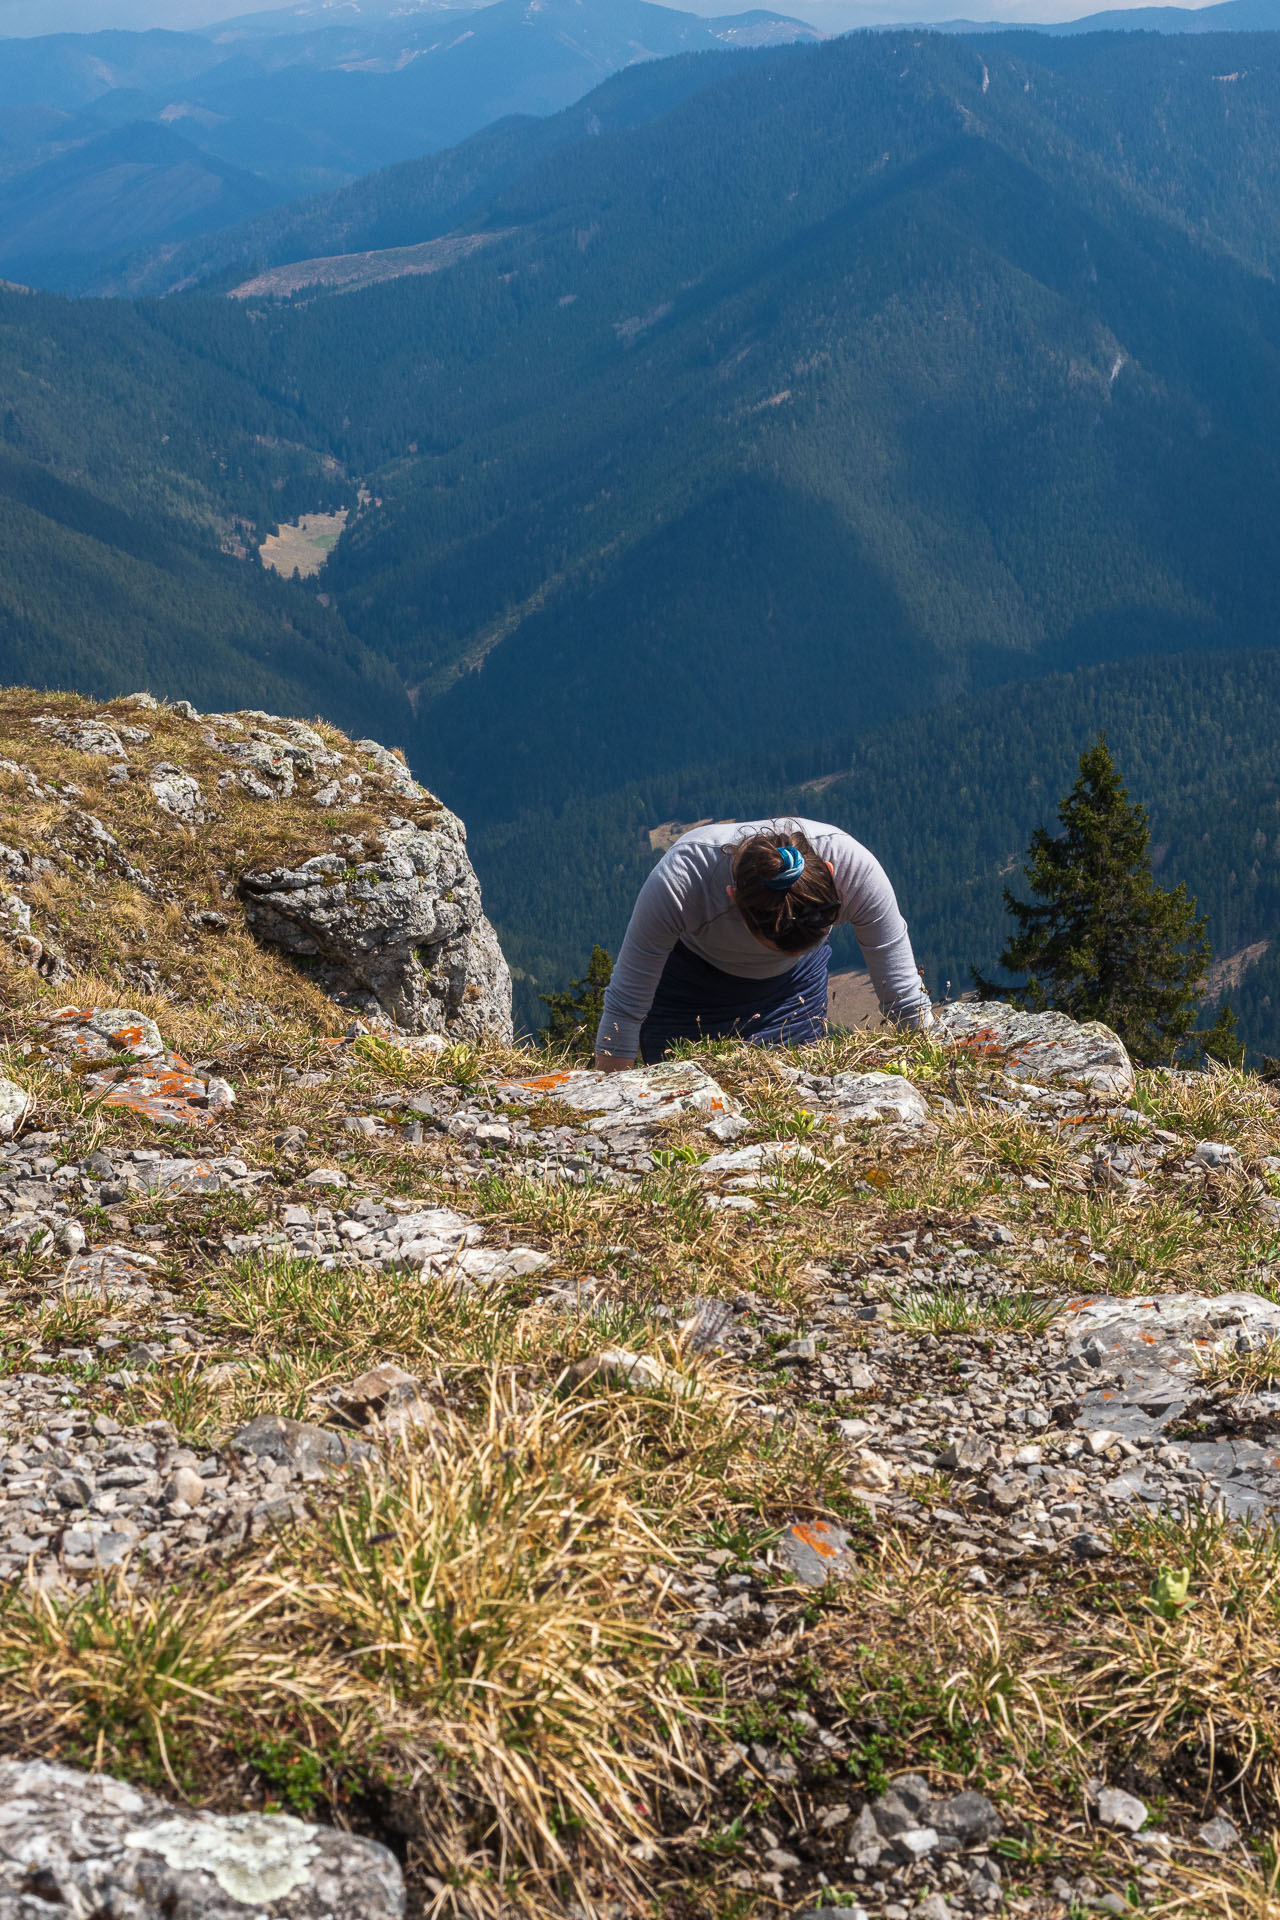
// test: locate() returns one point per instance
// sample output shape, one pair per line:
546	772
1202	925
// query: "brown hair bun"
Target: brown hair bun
793	914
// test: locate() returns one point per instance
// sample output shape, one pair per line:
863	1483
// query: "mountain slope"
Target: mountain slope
133	476
741	391
141	182
419	200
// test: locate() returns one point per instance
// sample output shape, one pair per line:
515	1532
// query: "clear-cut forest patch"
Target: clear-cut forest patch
304	546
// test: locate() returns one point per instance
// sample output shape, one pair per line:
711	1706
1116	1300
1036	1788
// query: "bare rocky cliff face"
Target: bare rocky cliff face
327	850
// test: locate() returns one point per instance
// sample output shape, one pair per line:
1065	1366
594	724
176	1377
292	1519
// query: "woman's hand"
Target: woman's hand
612	1063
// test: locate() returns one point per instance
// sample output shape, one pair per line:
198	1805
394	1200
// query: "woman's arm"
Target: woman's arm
870	906
655	925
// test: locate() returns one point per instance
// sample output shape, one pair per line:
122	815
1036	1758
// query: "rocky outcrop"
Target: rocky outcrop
371	890
403	934
1047	1049
78	1843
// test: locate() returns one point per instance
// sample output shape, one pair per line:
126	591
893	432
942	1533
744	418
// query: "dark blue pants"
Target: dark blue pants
696	1001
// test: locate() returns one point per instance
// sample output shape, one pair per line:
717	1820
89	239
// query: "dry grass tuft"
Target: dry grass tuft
1198	1683
1227	1105
1242	1372
483	1619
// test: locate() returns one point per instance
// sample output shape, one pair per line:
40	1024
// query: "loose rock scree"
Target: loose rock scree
772	1482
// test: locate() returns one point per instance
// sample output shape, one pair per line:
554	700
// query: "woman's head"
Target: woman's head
783	891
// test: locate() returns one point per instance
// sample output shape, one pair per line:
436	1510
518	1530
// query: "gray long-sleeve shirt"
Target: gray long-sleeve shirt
684	900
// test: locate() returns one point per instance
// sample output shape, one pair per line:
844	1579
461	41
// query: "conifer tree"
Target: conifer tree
1221	1040
575	1014
1100	940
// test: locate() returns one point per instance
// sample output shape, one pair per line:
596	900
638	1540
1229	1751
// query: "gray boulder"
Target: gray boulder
310	1451
14	1102
876	1096
79	1843
1047	1049
403	934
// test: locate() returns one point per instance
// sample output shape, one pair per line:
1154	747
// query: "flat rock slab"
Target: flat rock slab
114	1271
876	1096
816	1551
757	1159
79	1843
1147	1352
122	1056
640	1097
1047	1049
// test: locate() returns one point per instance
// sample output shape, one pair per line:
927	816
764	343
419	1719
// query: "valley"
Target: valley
446	453
766	414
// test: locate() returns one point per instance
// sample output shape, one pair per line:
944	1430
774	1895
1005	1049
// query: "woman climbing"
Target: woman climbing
730	936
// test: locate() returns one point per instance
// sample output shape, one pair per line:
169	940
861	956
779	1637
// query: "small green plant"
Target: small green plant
668	1157
294	1772
1170	1592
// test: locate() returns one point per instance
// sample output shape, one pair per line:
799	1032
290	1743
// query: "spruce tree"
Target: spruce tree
1100	940
575	1014
1221	1040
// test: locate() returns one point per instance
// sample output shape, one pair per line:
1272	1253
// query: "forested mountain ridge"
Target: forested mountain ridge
136	475
140	181
996	402
272	117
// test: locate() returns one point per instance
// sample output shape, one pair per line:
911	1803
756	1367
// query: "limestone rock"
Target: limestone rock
1046	1048
494	1266
13	1104
78	1843
1119	1809
177	793
292	1443
816	1551
767	1153
134	1067
404	934
639	1098
619	1367
1146	1353
90	736
877	1096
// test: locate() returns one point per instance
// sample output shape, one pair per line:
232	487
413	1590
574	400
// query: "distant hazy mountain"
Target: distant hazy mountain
418	200
332	98
1226	16
140	182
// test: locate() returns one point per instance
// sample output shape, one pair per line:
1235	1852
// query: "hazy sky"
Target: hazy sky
87	16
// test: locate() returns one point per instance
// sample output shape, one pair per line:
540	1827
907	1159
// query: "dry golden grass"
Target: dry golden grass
1242	1372
485	1617
1201	1688
1226	1105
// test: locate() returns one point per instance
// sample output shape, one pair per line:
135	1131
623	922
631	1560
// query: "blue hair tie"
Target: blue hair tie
792	867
